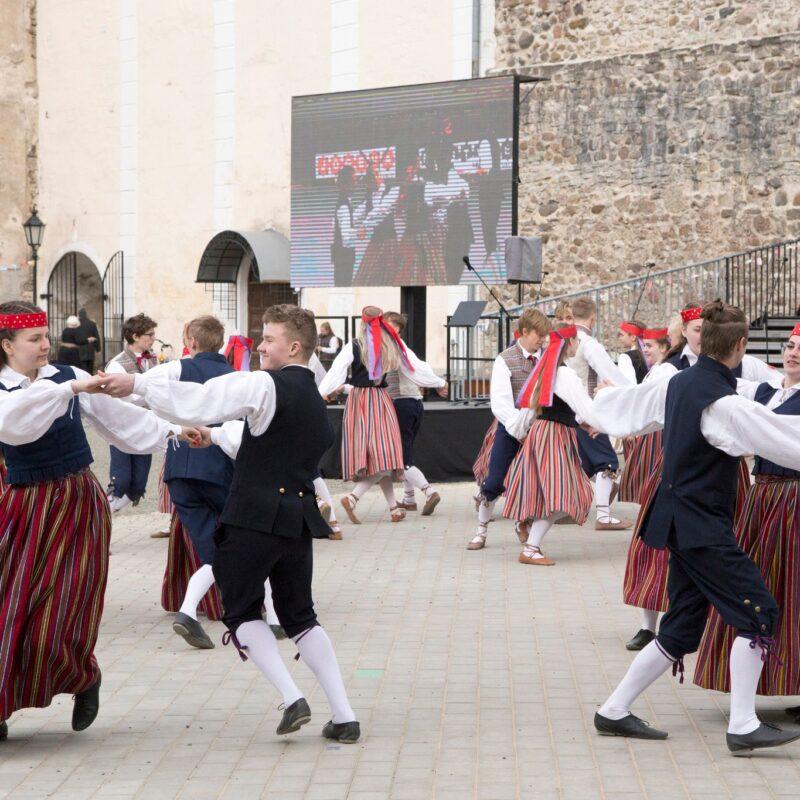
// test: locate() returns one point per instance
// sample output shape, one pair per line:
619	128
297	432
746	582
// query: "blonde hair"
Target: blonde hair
533	319
390	355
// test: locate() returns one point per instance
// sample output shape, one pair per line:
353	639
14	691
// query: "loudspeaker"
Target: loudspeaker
524	259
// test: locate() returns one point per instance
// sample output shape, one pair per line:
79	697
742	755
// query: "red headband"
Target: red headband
547	367
795	330
655	333
16	322
633	330
691	314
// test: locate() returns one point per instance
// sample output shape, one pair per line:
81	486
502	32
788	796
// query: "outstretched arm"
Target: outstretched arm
337	374
600	361
423	374
27	414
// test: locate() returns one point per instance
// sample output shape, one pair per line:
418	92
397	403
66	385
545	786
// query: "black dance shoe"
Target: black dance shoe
641	640
344	732
192	631
86	706
630	726
278	632
3	730
294	717
794	713
765	735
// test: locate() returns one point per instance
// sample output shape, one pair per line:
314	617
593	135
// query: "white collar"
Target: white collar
11	378
689	353
526	353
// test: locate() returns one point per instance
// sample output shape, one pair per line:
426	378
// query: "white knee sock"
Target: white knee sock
746	666
322	491
485	512
198	585
272	617
538	530
603	485
387	487
316	650
416	479
649	619
362	487
644	669
262	650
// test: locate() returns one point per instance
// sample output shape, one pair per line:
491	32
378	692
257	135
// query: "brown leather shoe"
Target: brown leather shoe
336	531
542	561
160	534
410	506
523	529
622	525
349	505
478	541
430	503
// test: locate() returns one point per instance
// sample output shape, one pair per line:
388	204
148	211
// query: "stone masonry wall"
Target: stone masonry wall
675	155
18	142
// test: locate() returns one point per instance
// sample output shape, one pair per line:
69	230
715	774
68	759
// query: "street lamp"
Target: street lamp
34	230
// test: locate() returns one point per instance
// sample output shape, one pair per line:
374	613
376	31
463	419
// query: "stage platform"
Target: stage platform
447	445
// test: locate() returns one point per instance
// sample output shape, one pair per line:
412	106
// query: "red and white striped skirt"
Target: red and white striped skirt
54	539
546	476
645	583
480	469
164	500
370	435
182	563
640	458
768	530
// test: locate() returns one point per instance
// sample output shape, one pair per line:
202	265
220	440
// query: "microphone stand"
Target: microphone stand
503	310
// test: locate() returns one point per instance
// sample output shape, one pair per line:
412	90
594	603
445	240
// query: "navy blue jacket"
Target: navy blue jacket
697	495
208	464
61	451
764	394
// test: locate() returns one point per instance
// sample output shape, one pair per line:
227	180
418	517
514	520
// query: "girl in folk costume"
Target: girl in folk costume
632	361
372	450
55	522
510	371
546	481
768	530
641	452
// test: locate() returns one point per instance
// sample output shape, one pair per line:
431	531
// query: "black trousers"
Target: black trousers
721	576
245	558
597	454
199	505
128	473
504	449
409	418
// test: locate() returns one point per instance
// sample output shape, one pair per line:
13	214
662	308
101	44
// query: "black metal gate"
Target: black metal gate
113	306
62	297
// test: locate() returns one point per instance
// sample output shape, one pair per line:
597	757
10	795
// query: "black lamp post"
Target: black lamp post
34	230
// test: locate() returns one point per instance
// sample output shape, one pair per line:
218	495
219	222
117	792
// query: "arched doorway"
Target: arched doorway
74	283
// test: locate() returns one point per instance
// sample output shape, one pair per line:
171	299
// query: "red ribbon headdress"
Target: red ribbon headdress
547	368
237	351
691	314
17	322
655	333
633	330
375	327
795	330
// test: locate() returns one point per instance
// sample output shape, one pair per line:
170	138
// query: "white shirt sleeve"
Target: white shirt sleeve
333	346
632	410
315	365
423	374
746	388
754	369
231	396
229	437
337	374
739	427
27	414
625	366
501	395
600	361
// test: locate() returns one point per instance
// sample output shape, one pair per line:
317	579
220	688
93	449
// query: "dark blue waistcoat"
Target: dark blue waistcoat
359	373
678	361
208	464
61	451
697	494
764	394
273	480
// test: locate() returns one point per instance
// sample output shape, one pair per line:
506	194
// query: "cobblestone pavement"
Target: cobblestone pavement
473	677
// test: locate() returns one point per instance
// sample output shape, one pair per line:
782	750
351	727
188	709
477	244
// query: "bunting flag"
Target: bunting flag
547	368
237	351
375	328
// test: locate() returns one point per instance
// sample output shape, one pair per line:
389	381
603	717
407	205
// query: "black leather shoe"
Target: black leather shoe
3	730
294	717
278	631
630	726
641	640
344	732
765	735
86	706
794	712
192	631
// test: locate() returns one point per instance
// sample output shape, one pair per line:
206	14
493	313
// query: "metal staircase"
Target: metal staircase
766	340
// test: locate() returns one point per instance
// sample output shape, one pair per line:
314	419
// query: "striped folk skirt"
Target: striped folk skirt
164	500
645	583
546	476
54	539
641	456
182	563
370	436
768	530
480	469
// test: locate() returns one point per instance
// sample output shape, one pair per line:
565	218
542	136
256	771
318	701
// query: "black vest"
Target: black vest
639	364
209	464
273	480
359	374
762	466
697	495
680	362
559	412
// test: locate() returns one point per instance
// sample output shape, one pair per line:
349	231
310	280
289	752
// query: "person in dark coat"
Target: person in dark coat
69	346
89	343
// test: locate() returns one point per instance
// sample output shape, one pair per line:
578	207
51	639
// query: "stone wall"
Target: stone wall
18	141
544	31
674	156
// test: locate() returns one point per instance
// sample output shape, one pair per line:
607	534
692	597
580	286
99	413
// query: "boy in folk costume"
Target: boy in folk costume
510	371
632	360
372	450
128	472
407	400
707	427
271	513
592	362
